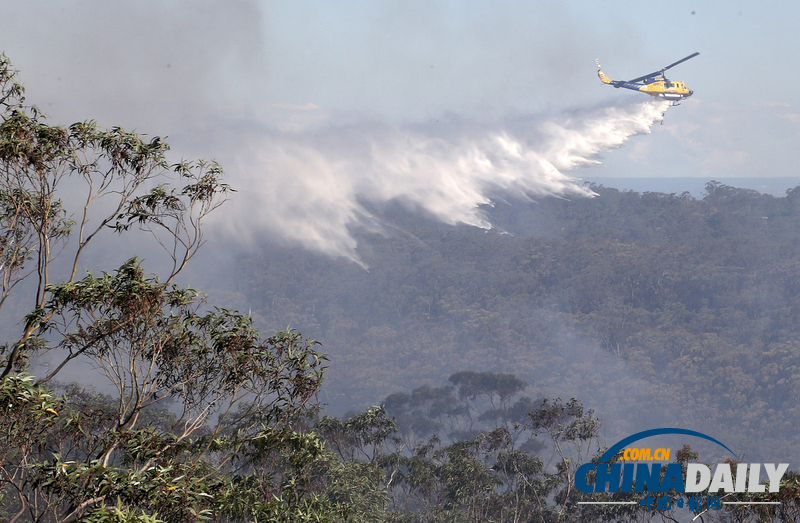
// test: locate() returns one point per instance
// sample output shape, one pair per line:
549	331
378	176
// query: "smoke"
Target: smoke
310	187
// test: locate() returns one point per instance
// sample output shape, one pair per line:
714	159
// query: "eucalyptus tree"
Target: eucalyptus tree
206	415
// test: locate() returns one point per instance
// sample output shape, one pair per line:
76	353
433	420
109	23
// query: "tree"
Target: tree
39	161
207	416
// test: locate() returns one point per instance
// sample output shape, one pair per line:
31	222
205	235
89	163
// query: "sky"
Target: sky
311	105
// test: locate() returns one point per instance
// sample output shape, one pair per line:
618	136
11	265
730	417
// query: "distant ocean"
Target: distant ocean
696	186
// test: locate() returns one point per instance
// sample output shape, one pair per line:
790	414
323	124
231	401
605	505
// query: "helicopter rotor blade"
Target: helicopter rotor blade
670	66
646	76
661	72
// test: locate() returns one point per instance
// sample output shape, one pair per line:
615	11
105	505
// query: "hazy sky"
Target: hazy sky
217	77
156	65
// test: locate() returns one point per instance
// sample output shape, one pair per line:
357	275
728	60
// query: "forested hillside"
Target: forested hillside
655	309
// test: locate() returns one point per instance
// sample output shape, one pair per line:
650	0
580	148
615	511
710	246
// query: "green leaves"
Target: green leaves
564	422
11	90
118	514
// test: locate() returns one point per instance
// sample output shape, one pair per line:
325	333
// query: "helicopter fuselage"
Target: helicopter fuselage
666	89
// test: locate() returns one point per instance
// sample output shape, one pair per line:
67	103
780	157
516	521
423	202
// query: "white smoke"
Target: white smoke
308	187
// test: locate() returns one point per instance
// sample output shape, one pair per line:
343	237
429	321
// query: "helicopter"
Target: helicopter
654	84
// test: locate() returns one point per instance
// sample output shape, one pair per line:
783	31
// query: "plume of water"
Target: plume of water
309	187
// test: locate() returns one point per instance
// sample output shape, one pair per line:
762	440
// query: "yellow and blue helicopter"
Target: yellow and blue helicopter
654	84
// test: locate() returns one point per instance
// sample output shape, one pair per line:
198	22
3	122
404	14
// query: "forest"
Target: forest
655	309
435	390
